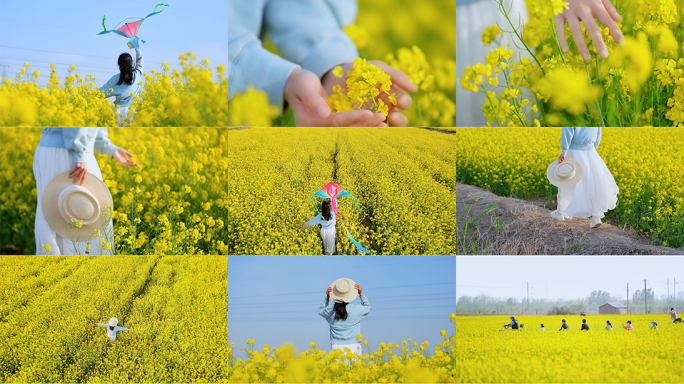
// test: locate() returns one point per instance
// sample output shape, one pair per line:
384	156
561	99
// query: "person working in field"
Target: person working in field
563	326
654	325
327	221
673	316
609	326
585	327
344	318
513	324
628	326
126	84
542	328
113	328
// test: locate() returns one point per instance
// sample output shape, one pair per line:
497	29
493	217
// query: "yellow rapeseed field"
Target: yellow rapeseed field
211	190
195	96
646	164
403	179
484	354
405	362
640	83
176	307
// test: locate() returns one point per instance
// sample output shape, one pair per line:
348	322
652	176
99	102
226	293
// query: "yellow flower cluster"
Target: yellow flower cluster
365	82
402	178
513	162
490	34
169	98
358	34
487	355
77	102
251	108
635	86
190	98
405	362
176	307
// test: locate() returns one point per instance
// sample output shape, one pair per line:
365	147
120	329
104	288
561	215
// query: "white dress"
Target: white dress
49	162
596	192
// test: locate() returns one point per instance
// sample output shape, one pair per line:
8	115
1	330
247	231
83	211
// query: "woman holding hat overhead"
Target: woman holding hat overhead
344	318
72	199
113	328
586	188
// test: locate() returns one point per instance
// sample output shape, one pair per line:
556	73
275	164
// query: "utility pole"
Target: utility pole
627	297
645	299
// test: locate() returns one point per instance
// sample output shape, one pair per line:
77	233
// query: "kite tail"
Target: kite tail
351	238
155	7
103	20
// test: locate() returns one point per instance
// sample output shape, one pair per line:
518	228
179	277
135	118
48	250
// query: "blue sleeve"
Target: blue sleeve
107	86
117	328
103	325
75	141
324	310
250	64
103	144
316	220
598	139
566	139
309	32
365	306
139	63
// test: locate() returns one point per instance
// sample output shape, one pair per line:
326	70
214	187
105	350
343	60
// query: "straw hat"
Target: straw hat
113	322
64	201
343	290
566	174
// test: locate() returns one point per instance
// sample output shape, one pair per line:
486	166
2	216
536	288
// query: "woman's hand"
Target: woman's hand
304	225
358	288
123	157
327	293
586	11
400	85
79	173
561	159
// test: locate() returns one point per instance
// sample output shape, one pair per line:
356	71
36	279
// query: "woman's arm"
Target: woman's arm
324	310
316	220
566	139
75	141
103	144
139	63
598	138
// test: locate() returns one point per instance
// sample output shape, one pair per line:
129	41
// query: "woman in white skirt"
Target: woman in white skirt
126	84
596	192
344	318
327	221
113	328
61	150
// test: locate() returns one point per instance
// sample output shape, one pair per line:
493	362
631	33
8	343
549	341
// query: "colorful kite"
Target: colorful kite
333	191
130	30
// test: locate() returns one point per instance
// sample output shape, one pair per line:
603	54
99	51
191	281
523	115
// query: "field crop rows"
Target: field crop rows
402	178
645	162
176	306
486	355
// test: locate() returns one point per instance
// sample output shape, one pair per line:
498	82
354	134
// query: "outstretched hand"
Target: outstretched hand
124	158
400	85
305	93
586	11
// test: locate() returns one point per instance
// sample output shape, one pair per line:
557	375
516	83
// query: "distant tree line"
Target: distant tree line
487	305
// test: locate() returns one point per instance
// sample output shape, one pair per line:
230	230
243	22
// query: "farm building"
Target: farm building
612	309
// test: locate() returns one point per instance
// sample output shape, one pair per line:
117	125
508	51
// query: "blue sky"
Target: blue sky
275	299
64	32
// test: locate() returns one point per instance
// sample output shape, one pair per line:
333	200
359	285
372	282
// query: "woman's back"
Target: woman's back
344	331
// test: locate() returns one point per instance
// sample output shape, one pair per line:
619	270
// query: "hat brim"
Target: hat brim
50	208
349	297
551	174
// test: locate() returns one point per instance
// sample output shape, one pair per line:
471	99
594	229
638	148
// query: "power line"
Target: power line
311	306
375	309
70	54
366	321
318	292
375	298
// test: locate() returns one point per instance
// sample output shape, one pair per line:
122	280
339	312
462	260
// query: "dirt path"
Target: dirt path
502	225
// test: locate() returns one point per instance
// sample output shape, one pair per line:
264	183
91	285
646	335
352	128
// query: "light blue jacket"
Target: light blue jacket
307	33
345	331
79	141
582	139
123	91
323	222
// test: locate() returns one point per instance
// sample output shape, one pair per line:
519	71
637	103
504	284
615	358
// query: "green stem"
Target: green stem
598	105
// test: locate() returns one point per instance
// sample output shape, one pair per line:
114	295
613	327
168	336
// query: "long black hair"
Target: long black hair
325	211
126	67
340	311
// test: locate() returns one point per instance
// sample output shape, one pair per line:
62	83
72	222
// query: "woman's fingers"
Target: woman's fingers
607	21
397	119
84	173
576	30
612	12
398	77
595	33
360	118
560	32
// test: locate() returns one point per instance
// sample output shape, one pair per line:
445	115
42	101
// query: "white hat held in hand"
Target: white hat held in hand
343	290
64	201
565	174
113	322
